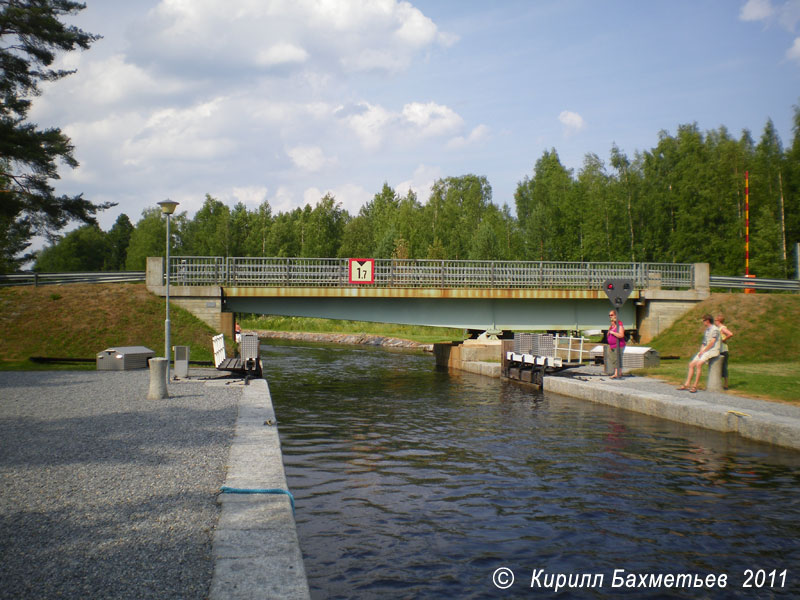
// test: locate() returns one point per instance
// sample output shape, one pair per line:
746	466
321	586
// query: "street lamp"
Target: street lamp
167	207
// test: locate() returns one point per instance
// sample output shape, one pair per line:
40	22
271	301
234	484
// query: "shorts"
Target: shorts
706	356
614	359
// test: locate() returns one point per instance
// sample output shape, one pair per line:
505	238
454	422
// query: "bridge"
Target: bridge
477	295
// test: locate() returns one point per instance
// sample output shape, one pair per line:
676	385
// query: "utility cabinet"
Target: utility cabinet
124	358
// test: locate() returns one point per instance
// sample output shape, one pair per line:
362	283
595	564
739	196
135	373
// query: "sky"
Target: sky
287	100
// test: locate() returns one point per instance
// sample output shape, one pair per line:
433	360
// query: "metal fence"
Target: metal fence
333	272
788	285
31	278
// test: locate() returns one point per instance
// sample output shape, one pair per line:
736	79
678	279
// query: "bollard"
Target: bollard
714	383
158	379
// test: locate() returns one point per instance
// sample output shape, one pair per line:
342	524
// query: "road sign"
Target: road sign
361	270
618	290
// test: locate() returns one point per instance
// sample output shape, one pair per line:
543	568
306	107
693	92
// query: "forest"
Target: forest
681	201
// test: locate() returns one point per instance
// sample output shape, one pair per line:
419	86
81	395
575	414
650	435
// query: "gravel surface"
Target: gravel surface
106	494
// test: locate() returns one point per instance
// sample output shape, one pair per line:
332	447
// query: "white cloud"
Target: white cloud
350	195
421	182
196	132
431	119
251	196
477	134
280	54
353	34
370	124
793	53
572	122
756	10
309	158
416	121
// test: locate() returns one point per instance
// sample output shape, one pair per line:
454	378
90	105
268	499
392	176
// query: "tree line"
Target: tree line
681	201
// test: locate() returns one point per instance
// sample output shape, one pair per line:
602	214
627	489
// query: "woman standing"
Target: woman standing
616	343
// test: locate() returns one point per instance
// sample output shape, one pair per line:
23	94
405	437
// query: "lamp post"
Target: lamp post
167	207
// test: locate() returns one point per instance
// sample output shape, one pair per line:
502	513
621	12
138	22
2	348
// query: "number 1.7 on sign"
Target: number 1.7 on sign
361	270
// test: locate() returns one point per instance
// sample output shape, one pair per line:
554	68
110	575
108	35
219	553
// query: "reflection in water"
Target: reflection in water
413	482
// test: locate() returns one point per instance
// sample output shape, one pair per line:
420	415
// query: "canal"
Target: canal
413	482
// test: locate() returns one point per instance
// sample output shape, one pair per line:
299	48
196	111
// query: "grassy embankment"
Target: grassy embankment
764	352
79	320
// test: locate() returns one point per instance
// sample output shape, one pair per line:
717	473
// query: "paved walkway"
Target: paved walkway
761	420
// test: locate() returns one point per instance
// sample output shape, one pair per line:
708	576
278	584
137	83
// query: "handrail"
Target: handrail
327	272
447	274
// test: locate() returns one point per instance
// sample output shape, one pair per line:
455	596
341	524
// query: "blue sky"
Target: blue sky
285	100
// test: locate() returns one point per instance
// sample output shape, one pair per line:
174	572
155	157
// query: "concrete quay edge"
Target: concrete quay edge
754	425
760	422
256	548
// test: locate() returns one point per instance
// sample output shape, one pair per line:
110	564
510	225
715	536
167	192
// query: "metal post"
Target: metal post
167	207
166	321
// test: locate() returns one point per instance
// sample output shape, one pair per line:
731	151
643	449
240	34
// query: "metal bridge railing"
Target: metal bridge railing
333	272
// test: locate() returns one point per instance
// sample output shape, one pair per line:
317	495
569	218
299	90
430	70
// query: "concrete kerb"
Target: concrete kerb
751	424
256	548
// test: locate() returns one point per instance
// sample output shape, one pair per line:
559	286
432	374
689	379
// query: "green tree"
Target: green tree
258	231
324	228
148	238
541	202
209	232
598	224
119	237
768	183
793	186
765	247
84	249
31	35
454	212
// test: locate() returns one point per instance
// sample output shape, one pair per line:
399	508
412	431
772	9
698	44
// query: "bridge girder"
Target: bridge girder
483	309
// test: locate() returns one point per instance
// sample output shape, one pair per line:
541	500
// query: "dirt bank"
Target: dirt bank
345	338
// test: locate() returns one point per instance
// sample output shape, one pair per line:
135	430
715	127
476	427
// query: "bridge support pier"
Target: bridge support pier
203	301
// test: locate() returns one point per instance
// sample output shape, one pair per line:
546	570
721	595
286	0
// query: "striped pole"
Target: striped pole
746	224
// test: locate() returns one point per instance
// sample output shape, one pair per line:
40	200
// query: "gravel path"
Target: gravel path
104	493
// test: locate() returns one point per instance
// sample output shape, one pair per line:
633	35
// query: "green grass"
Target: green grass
79	320
424	335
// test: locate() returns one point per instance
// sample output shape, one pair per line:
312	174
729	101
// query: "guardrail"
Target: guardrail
788	285
333	272
31	278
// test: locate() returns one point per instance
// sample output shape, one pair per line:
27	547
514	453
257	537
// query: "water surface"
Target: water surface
413	482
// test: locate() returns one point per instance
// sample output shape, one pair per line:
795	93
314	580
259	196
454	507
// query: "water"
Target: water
412	482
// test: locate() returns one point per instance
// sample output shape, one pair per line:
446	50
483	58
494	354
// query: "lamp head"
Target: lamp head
168	206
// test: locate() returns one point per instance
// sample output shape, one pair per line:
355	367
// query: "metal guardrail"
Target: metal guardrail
789	285
31	278
333	272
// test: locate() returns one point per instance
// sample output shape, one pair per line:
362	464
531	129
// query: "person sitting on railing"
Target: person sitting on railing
726	334
708	349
